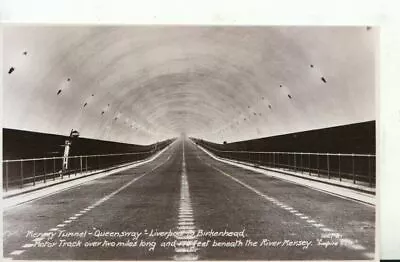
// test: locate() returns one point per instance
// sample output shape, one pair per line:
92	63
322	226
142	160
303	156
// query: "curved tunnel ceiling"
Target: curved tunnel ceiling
140	84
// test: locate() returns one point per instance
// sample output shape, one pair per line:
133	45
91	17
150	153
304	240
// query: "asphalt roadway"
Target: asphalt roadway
185	205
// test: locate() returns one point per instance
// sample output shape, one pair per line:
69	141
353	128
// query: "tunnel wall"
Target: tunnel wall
19	144
354	138
141	84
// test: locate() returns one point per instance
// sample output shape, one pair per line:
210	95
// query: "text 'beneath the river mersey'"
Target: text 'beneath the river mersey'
151	239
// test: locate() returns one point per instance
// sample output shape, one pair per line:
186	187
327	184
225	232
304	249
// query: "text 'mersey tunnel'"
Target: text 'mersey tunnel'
189	143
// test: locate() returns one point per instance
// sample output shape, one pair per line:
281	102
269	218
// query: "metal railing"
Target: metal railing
358	168
23	172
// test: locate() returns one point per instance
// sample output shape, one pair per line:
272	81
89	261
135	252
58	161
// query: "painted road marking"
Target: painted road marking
370	255
186	219
17	252
184	236
82	212
55	189
343	242
186	212
182	223
185	216
187	227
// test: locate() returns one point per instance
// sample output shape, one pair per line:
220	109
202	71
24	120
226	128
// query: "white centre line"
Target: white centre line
185	249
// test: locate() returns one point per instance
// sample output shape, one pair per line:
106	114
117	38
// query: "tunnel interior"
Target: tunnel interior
143	84
258	139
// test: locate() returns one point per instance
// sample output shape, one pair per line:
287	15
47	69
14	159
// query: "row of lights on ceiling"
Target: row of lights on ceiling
323	79
25	53
59	92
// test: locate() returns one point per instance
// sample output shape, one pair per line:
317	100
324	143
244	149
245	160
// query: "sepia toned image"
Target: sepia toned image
151	142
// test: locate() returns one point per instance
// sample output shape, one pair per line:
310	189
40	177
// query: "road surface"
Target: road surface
185	205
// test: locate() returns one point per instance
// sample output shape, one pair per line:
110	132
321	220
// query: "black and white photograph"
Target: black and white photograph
178	142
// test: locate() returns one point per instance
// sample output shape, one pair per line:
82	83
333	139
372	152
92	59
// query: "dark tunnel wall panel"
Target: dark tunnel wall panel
19	144
218	75
357	138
